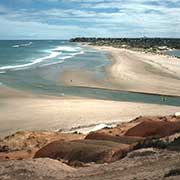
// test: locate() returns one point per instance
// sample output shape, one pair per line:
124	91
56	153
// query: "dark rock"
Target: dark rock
173	172
4	148
175	145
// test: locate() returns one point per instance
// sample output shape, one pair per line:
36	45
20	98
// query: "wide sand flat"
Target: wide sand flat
131	71
34	112
143	72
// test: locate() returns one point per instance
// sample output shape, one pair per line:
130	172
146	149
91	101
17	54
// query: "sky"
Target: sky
65	19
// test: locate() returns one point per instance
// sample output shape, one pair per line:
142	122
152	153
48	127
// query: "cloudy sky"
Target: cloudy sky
63	19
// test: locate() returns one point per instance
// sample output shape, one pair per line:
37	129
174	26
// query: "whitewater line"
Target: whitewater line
37	61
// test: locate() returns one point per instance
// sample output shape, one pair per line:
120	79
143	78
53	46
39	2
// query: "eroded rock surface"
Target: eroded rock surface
150	164
145	148
36	169
85	151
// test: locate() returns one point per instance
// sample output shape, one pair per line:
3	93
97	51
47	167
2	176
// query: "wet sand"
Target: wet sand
131	71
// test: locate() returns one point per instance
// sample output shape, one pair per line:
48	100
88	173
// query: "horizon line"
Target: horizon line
91	37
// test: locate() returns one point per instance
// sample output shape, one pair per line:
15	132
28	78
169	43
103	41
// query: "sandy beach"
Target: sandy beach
31	112
141	72
130	70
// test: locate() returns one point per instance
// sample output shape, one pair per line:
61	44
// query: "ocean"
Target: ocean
35	66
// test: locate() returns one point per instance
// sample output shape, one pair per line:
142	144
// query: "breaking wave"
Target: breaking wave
53	53
22	45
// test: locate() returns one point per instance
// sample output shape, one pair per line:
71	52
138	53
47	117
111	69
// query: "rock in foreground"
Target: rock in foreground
154	129
112	144
145	148
85	151
23	145
36	169
149	164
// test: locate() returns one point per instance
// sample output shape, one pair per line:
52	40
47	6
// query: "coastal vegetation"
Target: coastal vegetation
150	44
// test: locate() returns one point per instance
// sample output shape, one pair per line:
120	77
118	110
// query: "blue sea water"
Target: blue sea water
35	66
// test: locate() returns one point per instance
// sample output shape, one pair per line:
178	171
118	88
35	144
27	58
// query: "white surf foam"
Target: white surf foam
67	48
16	46
71	55
91	128
74	54
22	45
65	57
62	58
39	60
48	64
53	53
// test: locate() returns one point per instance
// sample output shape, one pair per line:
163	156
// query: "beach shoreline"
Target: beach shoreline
137	71
22	110
131	71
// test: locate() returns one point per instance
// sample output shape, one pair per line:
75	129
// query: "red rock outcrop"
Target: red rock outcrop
151	128
84	151
119	139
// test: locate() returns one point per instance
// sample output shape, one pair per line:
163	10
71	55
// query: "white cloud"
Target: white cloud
131	18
